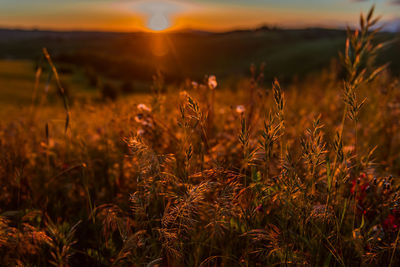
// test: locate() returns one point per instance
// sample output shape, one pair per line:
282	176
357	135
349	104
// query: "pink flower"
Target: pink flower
143	107
195	85
212	82
240	109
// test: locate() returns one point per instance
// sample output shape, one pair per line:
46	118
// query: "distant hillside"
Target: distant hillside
189	54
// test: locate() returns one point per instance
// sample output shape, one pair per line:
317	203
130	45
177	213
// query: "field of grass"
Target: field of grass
198	174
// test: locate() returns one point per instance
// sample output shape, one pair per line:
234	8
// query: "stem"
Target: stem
394	248
355	137
210	118
266	166
340	137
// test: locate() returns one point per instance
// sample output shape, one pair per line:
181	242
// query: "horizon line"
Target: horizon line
182	30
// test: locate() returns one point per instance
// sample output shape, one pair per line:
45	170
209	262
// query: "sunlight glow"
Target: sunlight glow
158	13
158	22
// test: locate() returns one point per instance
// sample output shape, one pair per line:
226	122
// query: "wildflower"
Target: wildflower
212	82
240	109
195	85
392	221
360	187
143	107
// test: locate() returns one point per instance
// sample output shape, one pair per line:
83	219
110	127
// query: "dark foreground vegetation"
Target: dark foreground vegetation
303	175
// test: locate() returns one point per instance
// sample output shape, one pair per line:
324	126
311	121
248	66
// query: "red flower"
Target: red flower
360	186
391	223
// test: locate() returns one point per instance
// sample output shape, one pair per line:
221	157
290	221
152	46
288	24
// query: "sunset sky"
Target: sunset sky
216	15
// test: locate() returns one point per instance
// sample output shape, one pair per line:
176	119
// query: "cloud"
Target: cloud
391	2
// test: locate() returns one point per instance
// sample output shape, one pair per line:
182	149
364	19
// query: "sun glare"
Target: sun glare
158	22
158	14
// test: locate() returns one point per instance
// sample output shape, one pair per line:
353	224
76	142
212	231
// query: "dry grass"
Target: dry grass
304	174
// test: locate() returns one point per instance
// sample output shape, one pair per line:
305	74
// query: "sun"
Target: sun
158	22
159	14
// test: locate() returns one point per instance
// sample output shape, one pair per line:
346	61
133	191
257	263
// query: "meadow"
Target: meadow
262	172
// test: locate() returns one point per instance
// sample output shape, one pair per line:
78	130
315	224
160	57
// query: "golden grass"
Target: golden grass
298	174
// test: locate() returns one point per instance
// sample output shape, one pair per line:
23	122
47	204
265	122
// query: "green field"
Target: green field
17	86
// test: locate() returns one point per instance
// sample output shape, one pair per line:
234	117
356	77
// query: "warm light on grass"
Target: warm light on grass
207	172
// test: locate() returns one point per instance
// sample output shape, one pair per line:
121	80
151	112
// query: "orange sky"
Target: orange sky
217	15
